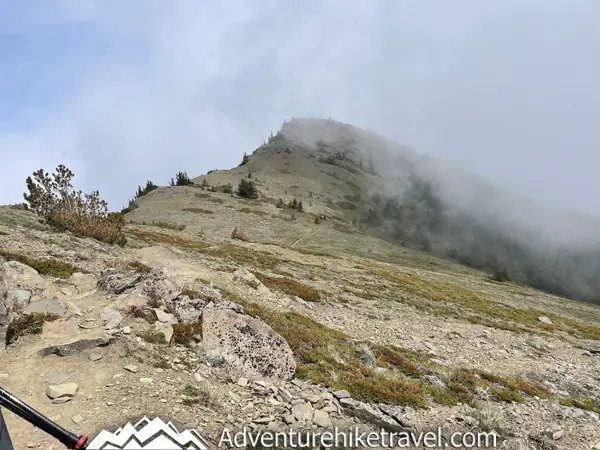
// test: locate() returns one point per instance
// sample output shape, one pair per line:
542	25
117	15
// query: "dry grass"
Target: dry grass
329	357
102	228
28	324
359	293
183	333
198	210
483	309
239	235
165	224
142	313
154	337
169	239
50	267
191	293
589	404
248	257
305	251
256	212
342	228
206	395
139	267
290	287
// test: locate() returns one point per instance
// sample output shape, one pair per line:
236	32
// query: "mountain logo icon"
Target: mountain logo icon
149	434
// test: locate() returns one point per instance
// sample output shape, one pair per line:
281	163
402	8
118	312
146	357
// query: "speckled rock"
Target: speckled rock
247	345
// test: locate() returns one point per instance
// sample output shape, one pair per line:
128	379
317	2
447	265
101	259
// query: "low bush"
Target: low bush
54	198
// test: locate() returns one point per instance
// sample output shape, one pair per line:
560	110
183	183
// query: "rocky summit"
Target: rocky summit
327	281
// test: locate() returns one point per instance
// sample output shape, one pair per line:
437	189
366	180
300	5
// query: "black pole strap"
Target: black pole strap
42	422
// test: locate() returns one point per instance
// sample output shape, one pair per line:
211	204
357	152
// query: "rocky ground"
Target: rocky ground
174	325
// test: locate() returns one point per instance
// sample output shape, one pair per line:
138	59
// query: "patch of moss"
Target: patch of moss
200	395
141	313
50	267
169	239
290	287
139	267
329	357
198	210
183	333
191	293
507	395
164	224
315	253
483	307
247	256
154	337
589	404
161	364
28	324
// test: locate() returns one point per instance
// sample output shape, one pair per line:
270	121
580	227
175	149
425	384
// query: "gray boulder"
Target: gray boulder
247	345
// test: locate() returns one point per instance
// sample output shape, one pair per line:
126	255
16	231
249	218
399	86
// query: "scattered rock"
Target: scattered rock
165	317
146	380
111	318
302	412
367	413
67	390
17	298
95	356
116	282
341	394
165	329
322	419
73	309
46	305
15	271
126	330
83	281
545	320
76	346
131	368
264	419
242	382
56	378
248	278
247	345
558	434
77	419
285	395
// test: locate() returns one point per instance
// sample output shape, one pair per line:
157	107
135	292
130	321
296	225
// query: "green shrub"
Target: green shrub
247	189
54	198
50	267
181	179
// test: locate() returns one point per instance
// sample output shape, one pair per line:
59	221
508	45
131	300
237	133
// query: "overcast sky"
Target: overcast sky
125	91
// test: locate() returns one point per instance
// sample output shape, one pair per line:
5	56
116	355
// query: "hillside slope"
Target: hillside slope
369	186
400	329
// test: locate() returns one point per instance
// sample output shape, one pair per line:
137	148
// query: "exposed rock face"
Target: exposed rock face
247	344
248	278
76	346
117	282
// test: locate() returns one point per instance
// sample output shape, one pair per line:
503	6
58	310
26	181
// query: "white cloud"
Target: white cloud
505	88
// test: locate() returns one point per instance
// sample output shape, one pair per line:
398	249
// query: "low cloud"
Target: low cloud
123	93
